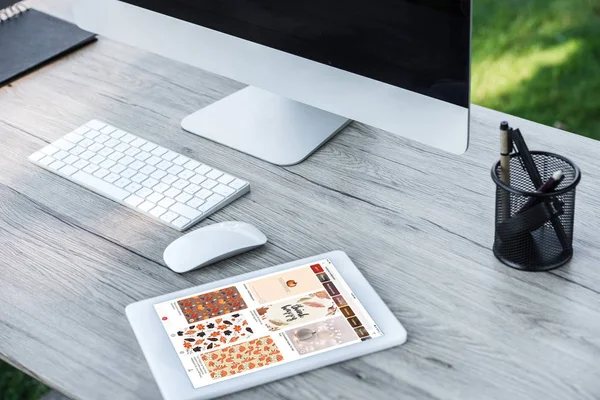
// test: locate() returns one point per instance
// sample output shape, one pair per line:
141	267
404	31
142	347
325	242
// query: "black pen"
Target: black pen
547	187
534	175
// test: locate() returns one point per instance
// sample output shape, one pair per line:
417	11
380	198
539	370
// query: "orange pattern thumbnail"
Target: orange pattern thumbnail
242	357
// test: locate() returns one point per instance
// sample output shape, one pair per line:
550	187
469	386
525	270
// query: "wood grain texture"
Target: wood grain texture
70	260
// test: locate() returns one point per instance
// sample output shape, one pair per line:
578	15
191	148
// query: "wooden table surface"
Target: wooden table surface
416	221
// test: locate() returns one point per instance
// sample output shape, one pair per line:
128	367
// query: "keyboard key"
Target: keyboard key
97	159
225	179
180	183
59	155
148	169
142	156
153	160
95	147
172	192
110	178
81	130
77	150
106	151
139	177
191	188
180	160
63	144
197	179
128	138
195	202
122	182
122	147
170	155
237	184
175	169
146	206
126	160
128	173
47	160
203	169
108	164
138	142
169	216
169	179
80	164
159	151
103	187
180	222
85	143
186	174
223	190
68	170
150	182
49	150
164	164
134	200
112	143
158	211
91	134
144	192
166	202
203	194
95	124
56	165
191	165
107	130
158	174
86	155
70	159
148	147
215	198
186	211
160	187
184	197
154	197
74	137
117	134
101	173
118	168
102	138
91	168
116	156
137	164
209	184
133	187
132	151
214	174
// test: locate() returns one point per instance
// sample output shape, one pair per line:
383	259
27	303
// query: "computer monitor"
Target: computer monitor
312	66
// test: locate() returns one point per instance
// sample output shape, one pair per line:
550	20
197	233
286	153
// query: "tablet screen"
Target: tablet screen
264	322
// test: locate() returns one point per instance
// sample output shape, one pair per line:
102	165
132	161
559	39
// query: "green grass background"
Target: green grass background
538	59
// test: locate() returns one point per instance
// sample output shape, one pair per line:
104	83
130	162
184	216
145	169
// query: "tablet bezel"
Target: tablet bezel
171	377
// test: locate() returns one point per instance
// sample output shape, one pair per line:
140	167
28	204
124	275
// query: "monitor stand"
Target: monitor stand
265	125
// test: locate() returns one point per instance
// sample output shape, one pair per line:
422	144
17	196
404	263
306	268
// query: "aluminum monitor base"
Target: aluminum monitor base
267	126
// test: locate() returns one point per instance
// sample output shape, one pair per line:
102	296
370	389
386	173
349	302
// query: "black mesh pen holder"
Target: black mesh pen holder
533	230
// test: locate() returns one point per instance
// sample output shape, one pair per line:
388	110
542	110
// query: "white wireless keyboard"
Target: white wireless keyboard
167	186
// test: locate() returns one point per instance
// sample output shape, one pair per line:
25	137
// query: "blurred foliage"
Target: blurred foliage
540	60
15	385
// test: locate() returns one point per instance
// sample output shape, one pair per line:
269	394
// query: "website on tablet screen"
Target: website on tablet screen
264	322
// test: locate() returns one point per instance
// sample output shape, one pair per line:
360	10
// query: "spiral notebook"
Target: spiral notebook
30	39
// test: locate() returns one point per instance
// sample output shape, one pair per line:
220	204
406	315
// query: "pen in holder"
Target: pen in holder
535	233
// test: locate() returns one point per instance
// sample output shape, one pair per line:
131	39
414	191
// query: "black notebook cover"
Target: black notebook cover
33	38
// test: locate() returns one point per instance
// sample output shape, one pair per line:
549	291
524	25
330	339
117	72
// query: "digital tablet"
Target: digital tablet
244	331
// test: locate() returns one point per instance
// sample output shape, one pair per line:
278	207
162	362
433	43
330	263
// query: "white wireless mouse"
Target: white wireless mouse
212	243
